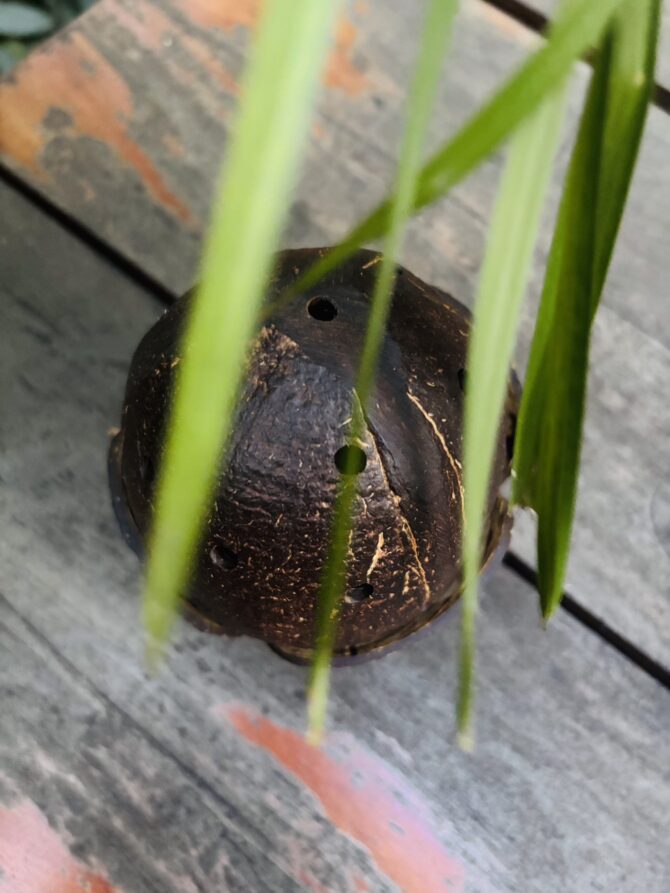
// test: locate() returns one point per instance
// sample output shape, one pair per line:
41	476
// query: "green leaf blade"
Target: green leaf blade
551	419
24	21
253	195
437	30
561	353
630	91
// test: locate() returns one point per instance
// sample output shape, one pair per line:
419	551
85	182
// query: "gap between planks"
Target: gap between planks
597	625
86	236
537	21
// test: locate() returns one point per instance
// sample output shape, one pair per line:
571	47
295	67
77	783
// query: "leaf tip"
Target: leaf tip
317	704
466	739
314	736
548	611
550	600
154	650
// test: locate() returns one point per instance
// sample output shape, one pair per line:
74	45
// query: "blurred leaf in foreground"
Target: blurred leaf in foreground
252	201
23	20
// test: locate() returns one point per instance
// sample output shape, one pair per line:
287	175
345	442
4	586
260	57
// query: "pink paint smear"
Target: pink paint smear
33	858
365	799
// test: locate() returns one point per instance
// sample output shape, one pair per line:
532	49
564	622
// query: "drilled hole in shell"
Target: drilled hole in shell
322	309
361	593
350	459
223	557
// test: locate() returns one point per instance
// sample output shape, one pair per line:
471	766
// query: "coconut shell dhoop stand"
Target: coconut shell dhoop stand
262	554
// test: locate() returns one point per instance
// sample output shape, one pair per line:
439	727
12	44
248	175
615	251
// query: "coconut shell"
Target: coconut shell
263	550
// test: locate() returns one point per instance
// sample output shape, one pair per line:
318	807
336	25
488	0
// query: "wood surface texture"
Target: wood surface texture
198	779
549	7
121	123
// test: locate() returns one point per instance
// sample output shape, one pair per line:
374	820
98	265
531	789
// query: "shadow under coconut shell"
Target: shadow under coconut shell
258	570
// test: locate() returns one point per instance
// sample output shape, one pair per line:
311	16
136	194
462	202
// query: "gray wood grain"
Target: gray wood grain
122	804
549	7
154	782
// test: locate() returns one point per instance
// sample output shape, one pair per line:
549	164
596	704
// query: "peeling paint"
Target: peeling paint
77	76
224	14
341	71
307	879
207	60
33	858
318	131
71	75
365	799
153	29
360	884
146	22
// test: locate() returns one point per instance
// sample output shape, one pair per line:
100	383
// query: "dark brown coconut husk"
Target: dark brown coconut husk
263	551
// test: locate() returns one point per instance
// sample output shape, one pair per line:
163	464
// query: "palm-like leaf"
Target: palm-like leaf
551	418
436	32
251	206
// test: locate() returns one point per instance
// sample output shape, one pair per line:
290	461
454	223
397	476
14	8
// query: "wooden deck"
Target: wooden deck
199	779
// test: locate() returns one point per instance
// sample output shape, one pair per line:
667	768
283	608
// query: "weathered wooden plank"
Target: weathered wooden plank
549	7
144	182
91	801
197	779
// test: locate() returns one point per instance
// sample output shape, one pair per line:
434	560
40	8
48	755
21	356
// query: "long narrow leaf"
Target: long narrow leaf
253	196
436	32
551	418
501	288
630	90
563	326
538	77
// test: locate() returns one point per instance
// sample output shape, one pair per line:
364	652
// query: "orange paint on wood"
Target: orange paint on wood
341	73
146	22
156	31
72	76
310	882
318	131
173	145
204	57
364	798
360	884
224	14
33	858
